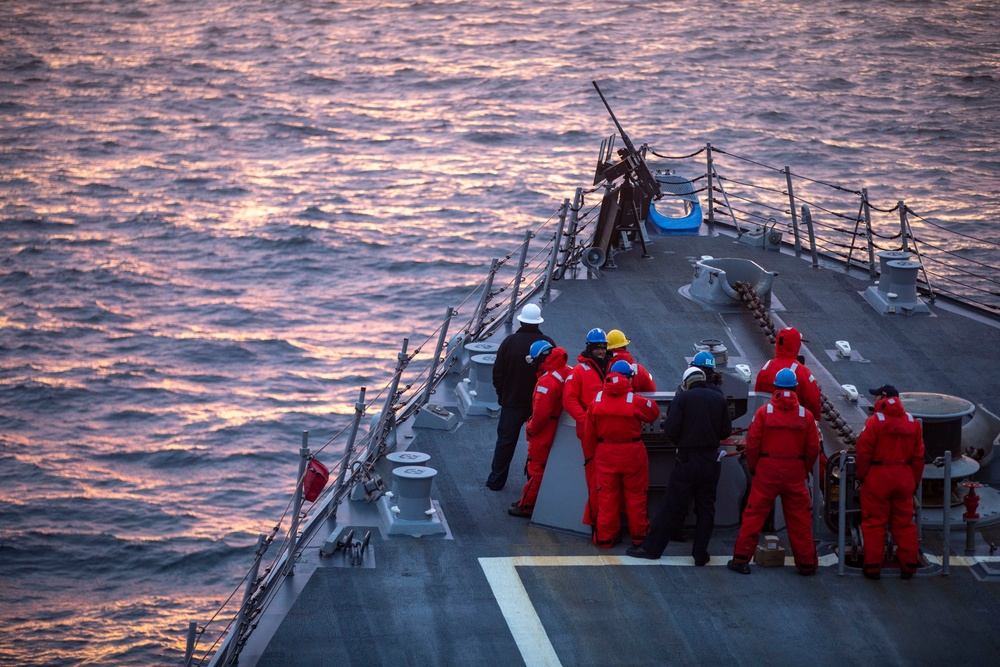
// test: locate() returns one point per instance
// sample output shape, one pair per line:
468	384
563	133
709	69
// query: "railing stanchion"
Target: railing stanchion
293	530
919	518
854	237
817	508
359	411
554	255
241	619
711	183
189	651
946	518
574	222
387	422
842	514
902	224
516	290
484	299
437	351
808	220
868	230
795	219
916	250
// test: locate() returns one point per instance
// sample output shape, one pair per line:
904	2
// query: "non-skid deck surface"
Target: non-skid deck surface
502	592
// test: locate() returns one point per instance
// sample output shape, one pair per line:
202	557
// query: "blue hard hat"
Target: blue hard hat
785	379
704	360
597	336
538	348
623	367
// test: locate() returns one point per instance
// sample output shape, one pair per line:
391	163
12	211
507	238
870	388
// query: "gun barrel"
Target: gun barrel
643	177
621	130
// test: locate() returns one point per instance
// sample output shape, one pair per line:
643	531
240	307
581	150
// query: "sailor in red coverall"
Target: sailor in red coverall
890	464
642	379
782	446
613	429
546	406
787	344
786	355
582	385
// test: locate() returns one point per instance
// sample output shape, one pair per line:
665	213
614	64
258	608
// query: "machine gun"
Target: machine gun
626	205
632	163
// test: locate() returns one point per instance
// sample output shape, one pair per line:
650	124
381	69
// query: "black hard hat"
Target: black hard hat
887	389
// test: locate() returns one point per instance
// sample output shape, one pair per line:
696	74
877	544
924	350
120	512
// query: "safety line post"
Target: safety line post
573	229
189	651
816	508
916	250
384	427
711	189
359	411
516	290
946	517
807	218
842	515
919	518
868	229
437	354
791	203
484	299
238	625
555	250
902	224
293	530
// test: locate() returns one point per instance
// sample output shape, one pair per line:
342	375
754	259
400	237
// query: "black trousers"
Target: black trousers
508	432
695	475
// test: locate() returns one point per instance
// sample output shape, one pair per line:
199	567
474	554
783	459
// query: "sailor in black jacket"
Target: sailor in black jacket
697	421
514	379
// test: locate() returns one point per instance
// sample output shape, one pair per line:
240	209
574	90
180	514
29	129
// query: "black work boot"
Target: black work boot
515	509
742	568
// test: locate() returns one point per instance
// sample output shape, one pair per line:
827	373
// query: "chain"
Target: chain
752	301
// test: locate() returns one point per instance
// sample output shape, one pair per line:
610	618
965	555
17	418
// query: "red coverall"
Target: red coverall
546	406
890	463
613	429
786	353
581	387
782	446
643	379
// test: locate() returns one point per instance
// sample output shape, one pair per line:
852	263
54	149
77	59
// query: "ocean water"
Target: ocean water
219	219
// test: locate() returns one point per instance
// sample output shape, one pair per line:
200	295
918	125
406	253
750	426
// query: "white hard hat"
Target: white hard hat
531	314
692	374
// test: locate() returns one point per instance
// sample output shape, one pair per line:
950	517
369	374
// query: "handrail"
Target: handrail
357	468
779	191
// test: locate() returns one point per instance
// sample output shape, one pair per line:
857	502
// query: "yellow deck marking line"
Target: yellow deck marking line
526	626
962	561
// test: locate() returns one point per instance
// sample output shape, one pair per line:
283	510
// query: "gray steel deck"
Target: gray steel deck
498	591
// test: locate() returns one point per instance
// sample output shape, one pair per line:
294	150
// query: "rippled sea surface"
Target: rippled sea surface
219	219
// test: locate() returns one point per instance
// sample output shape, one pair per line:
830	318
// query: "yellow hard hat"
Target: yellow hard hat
617	339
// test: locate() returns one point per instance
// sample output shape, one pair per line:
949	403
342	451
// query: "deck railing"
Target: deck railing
847	226
541	258
551	253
